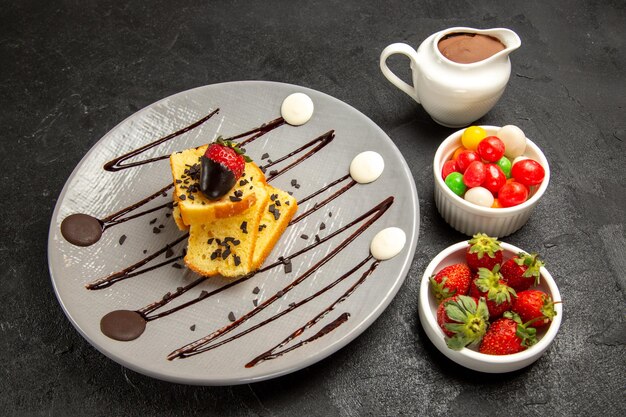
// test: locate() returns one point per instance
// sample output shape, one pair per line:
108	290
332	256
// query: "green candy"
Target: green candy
505	164
454	181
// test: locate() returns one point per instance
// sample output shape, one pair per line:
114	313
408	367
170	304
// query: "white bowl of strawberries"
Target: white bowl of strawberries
489	179
489	305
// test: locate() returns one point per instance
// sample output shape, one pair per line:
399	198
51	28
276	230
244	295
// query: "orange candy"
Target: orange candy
456	153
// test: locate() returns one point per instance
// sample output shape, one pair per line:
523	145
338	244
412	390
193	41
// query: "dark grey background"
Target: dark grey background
71	70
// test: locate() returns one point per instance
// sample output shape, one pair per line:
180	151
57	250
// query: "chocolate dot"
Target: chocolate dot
123	325
81	229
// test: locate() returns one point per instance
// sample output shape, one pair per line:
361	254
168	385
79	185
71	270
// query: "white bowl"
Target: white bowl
471	358
469	218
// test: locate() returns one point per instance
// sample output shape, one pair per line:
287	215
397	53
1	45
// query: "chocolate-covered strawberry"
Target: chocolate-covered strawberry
222	165
508	335
463	319
484	252
451	280
522	271
534	307
489	284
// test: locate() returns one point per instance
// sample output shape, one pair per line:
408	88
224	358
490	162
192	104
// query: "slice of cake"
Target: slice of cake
226	246
193	205
276	217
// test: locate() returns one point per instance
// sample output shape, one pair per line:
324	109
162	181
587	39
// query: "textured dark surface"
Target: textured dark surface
72	70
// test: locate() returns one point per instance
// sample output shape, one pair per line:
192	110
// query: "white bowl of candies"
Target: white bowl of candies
489	306
489	179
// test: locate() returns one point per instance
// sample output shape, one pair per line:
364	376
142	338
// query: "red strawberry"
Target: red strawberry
463	319
508	335
484	252
489	284
522	271
451	280
222	165
534	307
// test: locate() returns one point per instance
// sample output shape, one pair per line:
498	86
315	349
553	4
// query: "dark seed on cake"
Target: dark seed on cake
192	327
322	226
236	242
277	202
183	197
191	197
178	181
265	156
256	290
273	197
290	192
244	226
226	253
261	227
237	260
210	241
122	239
243	182
294	182
156	230
153	221
231	316
287	203
238	193
234	199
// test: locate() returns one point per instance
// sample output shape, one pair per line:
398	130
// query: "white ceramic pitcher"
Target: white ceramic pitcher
453	94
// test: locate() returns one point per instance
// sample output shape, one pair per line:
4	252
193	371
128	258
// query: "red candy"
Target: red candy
465	158
512	193
474	175
528	172
448	168
494	178
491	148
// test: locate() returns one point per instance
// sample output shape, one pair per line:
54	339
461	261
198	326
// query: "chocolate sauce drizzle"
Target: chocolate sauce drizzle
84	230
118	165
128	325
297	305
323	140
274	352
170	296
259	131
131	271
196	346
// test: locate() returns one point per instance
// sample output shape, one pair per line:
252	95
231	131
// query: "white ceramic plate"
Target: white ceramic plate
242	106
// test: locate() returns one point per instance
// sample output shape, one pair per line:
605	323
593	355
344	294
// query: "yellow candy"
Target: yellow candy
472	136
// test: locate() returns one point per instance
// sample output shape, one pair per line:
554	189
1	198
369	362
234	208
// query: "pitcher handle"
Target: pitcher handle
404	49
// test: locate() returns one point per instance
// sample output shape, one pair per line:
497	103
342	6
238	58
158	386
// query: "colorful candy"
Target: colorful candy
514	140
472	136
454	181
482	173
